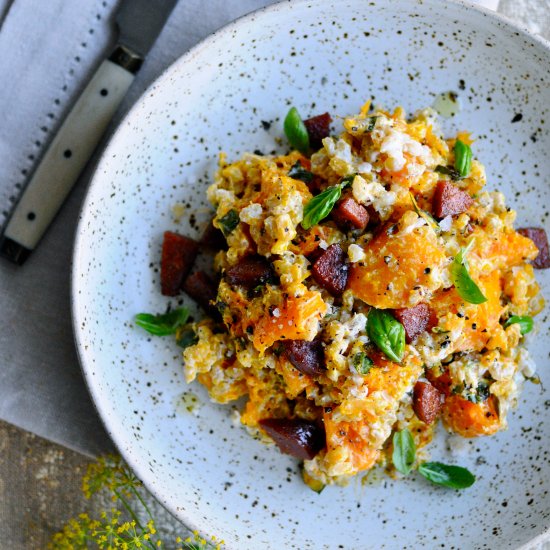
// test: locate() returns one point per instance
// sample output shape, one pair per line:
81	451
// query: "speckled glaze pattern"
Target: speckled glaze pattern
230	94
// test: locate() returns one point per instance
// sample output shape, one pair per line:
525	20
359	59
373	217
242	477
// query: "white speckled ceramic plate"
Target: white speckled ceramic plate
320	56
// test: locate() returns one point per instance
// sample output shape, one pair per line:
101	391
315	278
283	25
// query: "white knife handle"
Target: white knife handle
67	155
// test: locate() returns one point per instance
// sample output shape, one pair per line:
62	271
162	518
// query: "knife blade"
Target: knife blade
138	22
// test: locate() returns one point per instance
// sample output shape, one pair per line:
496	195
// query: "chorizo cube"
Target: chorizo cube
539	237
178	255
449	200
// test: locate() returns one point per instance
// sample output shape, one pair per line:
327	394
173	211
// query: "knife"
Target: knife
139	22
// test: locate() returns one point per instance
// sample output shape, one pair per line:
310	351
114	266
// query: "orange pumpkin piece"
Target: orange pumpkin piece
506	251
394	265
471	419
476	322
296	319
352	436
296	382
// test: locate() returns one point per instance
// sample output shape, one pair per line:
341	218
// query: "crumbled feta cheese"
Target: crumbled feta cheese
356	253
251	213
372	192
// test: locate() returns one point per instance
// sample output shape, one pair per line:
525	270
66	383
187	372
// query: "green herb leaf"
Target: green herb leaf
229	222
296	131
524	321
372	124
320	206
463	158
404	451
454	477
162	324
465	285
298	172
362	363
387	333
347	180
187	338
425	215
447	171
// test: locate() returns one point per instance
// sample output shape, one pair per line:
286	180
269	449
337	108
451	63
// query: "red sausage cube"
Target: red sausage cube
538	236
348	213
330	270
318	128
426	402
295	436
307	357
178	256
449	200
203	290
414	319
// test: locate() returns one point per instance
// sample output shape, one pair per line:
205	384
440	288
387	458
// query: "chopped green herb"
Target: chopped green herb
162	324
362	363
298	172
455	477
465	285
404	451
524	321
229	222
296	131
320	206
347	180
448	171
425	215
463	158
187	338
387	333
372	124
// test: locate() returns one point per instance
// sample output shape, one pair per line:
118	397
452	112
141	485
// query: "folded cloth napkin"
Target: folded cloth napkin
48	51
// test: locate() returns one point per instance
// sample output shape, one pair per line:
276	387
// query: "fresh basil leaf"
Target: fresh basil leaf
298	172
162	324
362	363
372	124
404	451
229	222
320	206
387	333
455	477
296	131
524	321
447	171
465	285
463	158
187	338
